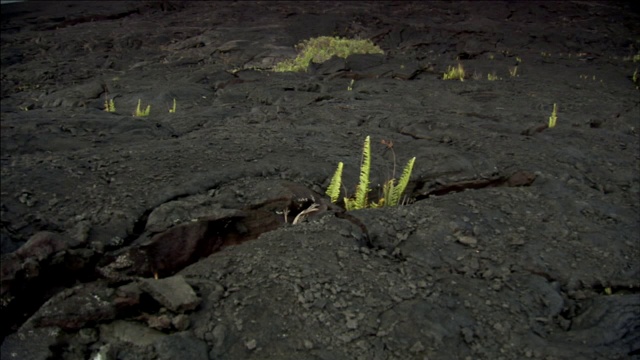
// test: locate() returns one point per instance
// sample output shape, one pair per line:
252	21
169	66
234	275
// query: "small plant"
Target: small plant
172	110
322	48
334	187
554	117
635	77
608	291
454	73
362	190
518	59
513	71
109	105
350	87
492	76
392	193
141	113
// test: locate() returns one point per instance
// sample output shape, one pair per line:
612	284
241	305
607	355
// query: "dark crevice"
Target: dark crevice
423	190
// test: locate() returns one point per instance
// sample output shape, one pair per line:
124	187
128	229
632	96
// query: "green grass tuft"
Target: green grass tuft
139	112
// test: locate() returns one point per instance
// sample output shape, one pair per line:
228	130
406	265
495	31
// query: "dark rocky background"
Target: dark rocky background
518	241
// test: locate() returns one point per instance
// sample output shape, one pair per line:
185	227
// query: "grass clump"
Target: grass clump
323	48
139	112
109	105
492	76
454	73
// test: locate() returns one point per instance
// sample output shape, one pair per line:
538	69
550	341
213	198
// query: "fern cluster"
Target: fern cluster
392	192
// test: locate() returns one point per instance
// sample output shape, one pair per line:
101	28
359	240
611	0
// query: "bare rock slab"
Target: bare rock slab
173	293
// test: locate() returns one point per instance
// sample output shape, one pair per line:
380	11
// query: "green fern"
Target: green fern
392	192
387	191
396	192
360	201
363	187
334	187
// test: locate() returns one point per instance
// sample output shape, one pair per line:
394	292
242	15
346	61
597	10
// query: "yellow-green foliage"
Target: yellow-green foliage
139	112
362	190
392	193
336	181
635	77
554	116
492	77
513	71
322	48
454	73
173	109
109	105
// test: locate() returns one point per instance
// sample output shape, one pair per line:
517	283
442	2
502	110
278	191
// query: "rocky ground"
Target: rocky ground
172	236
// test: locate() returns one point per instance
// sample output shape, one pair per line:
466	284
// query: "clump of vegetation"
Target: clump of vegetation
172	110
454	73
391	192
492	76
323	48
109	105
139	112
554	117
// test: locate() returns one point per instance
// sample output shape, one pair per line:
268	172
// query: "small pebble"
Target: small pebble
251	344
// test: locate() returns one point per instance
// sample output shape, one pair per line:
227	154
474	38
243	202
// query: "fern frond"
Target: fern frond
334	187
387	192
349	204
377	205
402	183
363	185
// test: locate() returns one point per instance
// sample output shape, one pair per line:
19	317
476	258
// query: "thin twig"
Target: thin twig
303	214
